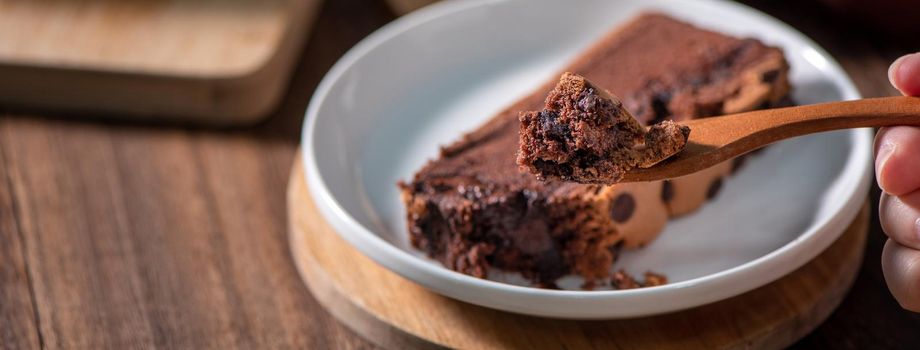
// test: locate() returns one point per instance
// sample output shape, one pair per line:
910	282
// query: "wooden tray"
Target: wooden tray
396	313
224	62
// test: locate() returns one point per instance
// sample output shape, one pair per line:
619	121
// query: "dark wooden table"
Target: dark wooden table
126	235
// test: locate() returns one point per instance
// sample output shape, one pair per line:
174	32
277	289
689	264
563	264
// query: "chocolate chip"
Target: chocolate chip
737	163
552	128
667	191
585	159
442	187
622	208
770	76
588	101
660	109
615	249
726	62
552	168
784	102
714	188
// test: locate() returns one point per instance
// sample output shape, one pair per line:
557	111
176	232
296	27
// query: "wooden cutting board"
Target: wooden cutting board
397	313
215	61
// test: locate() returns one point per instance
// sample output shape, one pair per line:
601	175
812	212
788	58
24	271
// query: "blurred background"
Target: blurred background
145	148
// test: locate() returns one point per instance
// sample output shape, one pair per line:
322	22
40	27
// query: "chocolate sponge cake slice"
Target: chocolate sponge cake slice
473	209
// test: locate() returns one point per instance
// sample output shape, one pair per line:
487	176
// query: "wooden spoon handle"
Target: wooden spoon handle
870	112
718	139
772	125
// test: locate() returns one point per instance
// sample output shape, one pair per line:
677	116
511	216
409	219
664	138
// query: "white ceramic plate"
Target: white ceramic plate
422	80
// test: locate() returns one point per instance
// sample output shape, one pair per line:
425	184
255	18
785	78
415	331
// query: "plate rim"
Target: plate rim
442	280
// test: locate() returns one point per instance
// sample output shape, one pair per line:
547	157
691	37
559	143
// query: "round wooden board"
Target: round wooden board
397	313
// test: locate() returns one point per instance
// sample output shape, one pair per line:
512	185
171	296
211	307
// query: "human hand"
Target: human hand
897	168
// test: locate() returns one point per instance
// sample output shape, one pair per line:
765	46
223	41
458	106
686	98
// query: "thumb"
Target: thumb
904	74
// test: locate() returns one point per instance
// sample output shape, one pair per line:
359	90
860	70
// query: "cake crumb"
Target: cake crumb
654	279
623	280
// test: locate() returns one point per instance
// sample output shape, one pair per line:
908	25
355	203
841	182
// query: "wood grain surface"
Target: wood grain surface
118	235
397	314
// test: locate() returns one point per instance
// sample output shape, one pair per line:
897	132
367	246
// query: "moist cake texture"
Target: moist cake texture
473	209
584	134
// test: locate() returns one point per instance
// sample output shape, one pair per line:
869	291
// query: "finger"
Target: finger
904	74
897	164
900	218
901	267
